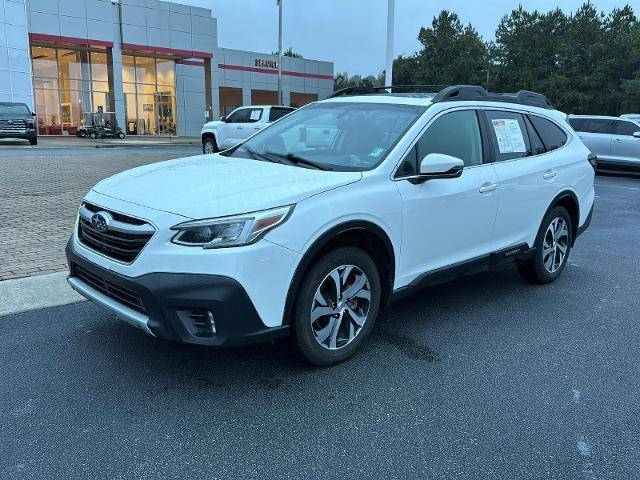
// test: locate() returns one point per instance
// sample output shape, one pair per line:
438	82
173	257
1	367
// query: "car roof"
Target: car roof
597	117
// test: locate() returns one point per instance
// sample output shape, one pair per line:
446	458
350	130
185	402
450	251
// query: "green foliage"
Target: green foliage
343	80
584	62
289	53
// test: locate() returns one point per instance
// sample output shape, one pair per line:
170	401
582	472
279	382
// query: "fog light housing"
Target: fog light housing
204	323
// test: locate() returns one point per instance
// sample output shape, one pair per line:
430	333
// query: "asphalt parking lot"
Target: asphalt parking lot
484	377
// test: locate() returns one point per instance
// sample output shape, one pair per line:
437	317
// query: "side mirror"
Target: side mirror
223	118
438	165
636	134
33	114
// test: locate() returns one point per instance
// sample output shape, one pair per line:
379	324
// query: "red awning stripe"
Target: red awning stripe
194	63
166	51
271	71
57	39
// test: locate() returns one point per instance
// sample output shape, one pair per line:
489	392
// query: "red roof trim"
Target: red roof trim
57	39
167	51
271	71
193	63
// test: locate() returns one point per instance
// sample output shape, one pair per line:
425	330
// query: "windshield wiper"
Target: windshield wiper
296	160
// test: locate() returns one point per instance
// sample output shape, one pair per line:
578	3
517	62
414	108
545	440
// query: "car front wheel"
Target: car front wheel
337	306
552	248
209	146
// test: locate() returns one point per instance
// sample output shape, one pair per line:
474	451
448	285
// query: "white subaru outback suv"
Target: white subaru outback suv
311	226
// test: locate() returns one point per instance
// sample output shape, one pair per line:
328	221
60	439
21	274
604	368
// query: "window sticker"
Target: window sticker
509	135
255	115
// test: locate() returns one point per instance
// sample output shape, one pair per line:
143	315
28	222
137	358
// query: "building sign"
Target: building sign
260	62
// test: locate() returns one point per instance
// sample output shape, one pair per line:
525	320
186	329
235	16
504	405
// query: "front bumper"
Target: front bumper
160	303
28	134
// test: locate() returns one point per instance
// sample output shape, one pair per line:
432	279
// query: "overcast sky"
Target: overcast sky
352	33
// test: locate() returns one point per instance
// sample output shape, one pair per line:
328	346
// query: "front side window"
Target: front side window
255	114
508	133
347	136
552	135
626	128
239	116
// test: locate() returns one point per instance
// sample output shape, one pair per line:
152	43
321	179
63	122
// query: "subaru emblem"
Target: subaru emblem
100	222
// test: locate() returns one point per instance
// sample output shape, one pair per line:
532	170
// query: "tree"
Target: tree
289	53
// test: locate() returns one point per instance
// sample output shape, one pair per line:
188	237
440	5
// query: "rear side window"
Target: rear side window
626	128
552	135
508	132
277	113
255	114
593	125
537	147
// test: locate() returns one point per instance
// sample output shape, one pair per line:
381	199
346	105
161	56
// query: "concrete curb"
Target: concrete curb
34	293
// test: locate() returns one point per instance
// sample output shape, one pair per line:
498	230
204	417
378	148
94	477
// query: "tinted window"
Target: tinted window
593	125
626	128
239	116
277	112
552	136
14	109
537	147
508	133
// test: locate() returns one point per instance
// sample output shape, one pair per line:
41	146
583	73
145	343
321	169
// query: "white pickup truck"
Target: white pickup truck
239	125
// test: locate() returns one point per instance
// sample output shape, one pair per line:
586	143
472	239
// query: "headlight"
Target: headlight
230	231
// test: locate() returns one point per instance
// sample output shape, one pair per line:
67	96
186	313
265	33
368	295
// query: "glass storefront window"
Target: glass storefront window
150	99
68	83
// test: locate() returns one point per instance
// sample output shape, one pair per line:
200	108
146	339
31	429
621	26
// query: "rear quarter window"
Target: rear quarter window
551	134
277	113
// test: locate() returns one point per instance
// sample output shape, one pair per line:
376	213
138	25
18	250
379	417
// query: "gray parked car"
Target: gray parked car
614	140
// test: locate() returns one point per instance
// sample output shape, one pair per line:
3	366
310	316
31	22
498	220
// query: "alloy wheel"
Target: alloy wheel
340	307
208	147
555	245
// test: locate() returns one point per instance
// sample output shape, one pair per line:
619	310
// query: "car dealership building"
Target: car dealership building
156	64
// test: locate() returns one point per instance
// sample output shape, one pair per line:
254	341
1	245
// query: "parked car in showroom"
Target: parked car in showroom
614	140
316	223
17	121
239	125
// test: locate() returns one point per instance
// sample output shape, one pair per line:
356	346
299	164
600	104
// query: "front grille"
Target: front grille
116	244
120	294
13	125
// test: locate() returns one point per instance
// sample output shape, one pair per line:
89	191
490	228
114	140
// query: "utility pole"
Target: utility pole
280	99
388	78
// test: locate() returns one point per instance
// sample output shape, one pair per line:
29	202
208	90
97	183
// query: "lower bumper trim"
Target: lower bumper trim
123	312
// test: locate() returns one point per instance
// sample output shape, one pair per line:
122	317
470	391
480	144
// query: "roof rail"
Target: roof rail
384	90
458	93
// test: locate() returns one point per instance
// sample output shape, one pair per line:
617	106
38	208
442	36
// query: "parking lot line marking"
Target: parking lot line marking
616	186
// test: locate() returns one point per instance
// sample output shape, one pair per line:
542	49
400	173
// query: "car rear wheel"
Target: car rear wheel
120	135
93	135
337	306
552	248
209	146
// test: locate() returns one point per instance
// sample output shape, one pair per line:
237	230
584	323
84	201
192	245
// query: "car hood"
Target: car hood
209	186
214	124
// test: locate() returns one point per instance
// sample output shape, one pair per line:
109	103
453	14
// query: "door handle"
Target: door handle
256	128
239	127
550	174
488	187
618	140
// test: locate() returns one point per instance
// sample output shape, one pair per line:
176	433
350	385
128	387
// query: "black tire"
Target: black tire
93	135
303	332
33	141
534	269
82	133
120	135
209	143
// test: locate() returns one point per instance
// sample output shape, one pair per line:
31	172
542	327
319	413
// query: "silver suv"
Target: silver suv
614	140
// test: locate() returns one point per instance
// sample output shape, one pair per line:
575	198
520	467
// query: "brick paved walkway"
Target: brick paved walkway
39	196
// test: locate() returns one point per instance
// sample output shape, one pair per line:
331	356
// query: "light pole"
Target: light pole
280	100
388	78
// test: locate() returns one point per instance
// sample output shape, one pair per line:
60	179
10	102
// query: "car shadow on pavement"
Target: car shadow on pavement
416	329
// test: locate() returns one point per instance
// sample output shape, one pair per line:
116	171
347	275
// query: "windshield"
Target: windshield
333	136
14	109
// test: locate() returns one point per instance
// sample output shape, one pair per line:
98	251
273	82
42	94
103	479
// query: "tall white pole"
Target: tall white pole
388	79
280	99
